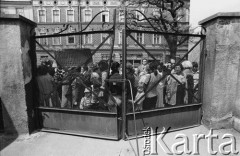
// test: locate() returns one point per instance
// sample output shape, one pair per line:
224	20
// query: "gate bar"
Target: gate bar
124	51
95	50
164	33
49	54
113	40
77	33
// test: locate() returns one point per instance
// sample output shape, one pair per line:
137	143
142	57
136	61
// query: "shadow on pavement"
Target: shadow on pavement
6	138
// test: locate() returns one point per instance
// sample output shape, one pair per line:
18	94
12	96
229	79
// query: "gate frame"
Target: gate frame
125	34
114	116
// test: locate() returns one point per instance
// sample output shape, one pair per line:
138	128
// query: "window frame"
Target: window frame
70	30
56	30
59	18
120	16
186	14
67	17
68	43
17	12
40	39
120	37
108	41
89	35
84	15
108	14
137	13
159	41
141	37
38	15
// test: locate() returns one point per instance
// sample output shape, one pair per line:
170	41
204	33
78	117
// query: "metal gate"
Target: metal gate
119	119
167	116
78	121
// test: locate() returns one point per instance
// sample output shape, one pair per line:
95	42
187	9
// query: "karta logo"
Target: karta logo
153	140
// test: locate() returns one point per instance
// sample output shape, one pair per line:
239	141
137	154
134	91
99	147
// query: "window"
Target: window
88	39
156	39
186	15
43	58
43	41
156	12
70	15
104	36
71	39
41	16
105	56
120	37
56	40
4	10
105	16
88	15
121	16
139	16
56	16
139	37
20	11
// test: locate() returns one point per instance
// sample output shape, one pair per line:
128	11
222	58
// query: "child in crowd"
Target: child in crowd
140	93
86	100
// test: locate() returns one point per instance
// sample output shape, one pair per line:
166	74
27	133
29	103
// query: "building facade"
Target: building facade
21	7
52	15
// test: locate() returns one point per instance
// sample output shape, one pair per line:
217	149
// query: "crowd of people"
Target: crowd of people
151	85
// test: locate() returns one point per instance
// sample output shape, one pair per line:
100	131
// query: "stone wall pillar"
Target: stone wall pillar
16	66
221	95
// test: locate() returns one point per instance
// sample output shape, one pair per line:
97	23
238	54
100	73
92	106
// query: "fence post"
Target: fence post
124	51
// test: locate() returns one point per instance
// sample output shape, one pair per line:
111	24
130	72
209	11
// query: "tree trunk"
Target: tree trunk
172	44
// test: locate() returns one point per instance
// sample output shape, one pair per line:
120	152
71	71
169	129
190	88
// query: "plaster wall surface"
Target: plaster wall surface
221	78
12	74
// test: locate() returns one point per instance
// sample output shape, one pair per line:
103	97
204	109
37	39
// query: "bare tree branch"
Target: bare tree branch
166	17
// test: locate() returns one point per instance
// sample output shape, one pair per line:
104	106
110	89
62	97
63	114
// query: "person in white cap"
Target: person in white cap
86	100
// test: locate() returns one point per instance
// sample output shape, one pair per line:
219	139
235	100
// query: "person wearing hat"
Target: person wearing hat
86	100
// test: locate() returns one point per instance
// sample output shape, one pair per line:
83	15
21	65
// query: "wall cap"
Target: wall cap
218	15
17	17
